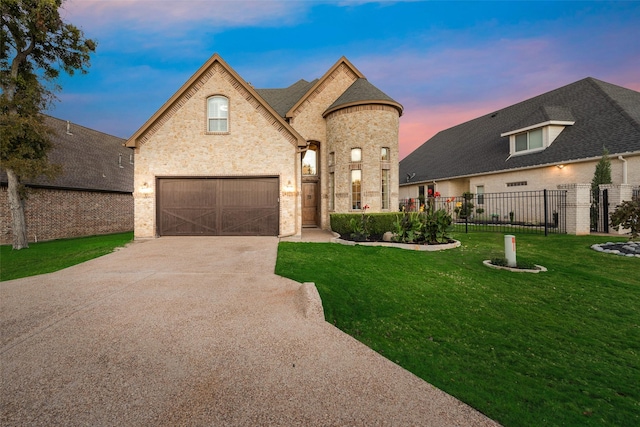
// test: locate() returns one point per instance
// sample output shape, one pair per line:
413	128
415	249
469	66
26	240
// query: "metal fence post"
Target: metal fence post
546	214
605	210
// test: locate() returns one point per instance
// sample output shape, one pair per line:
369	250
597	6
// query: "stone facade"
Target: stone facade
68	214
182	147
370	128
259	142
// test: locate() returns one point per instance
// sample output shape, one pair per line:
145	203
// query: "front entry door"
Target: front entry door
309	204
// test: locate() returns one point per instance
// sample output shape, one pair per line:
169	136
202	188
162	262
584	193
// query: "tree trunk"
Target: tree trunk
16	204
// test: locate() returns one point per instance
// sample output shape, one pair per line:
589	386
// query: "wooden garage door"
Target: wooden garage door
218	206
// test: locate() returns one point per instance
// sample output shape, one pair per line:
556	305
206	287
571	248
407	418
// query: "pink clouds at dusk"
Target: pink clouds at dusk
445	62
417	126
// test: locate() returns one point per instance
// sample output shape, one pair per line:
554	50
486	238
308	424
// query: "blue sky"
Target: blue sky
445	61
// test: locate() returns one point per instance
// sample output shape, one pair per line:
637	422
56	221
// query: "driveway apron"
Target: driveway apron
194	331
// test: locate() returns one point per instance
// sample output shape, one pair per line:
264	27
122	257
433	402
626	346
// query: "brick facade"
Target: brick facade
368	127
260	142
56	213
578	208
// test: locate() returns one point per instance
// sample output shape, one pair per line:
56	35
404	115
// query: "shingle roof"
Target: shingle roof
282	100
605	115
90	160
362	91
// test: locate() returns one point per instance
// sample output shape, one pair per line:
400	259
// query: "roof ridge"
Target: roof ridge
84	127
348	67
597	84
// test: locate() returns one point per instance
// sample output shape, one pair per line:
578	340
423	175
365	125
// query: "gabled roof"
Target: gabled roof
342	62
286	101
361	91
545	114
605	115
192	85
91	160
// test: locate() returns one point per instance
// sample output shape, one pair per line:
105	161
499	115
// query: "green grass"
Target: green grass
46	257
559	348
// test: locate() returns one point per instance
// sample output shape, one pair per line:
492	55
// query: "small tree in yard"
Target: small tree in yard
627	215
35	45
602	174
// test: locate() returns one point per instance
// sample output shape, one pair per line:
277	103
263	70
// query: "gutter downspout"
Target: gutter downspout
624	169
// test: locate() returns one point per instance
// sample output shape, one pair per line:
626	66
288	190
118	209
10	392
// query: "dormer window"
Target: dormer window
538	137
531	140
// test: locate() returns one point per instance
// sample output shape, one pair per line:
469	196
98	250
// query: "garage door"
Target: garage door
218	206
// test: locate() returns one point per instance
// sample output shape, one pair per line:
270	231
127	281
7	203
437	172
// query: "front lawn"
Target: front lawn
46	257
560	347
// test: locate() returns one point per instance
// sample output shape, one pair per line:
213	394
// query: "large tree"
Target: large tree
35	46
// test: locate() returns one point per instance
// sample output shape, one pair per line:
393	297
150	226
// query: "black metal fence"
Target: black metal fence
540	212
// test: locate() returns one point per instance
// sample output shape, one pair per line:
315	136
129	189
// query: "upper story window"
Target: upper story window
218	114
356	154
531	140
385	154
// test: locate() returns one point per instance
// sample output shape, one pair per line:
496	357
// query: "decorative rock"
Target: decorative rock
388	236
629	249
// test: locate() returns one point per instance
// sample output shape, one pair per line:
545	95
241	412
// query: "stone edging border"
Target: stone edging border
407	246
539	268
601	247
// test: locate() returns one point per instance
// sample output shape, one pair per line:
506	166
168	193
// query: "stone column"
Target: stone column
617	193
578	204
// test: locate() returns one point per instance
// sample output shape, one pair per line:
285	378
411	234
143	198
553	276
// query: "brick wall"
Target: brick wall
368	127
178	144
55	214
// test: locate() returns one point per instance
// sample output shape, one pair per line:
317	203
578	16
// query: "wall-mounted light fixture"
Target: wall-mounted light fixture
559	166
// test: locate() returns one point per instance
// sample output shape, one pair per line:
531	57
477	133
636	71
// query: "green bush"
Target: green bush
341	223
627	215
431	226
378	223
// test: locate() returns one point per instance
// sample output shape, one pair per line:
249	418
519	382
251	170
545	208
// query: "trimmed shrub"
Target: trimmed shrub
379	223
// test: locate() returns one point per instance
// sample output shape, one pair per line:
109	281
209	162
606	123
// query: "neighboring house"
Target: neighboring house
553	139
223	158
93	195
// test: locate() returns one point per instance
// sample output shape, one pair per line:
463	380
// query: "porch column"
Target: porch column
578	204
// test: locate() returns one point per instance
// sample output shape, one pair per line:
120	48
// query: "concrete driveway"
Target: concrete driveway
195	331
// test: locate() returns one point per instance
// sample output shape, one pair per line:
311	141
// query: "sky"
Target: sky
446	62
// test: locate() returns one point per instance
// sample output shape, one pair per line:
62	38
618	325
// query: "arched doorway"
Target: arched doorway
311	185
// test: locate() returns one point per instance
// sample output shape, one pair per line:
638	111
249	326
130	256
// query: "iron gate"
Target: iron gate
600	211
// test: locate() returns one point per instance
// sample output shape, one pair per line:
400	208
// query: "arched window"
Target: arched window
310	160
218	114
